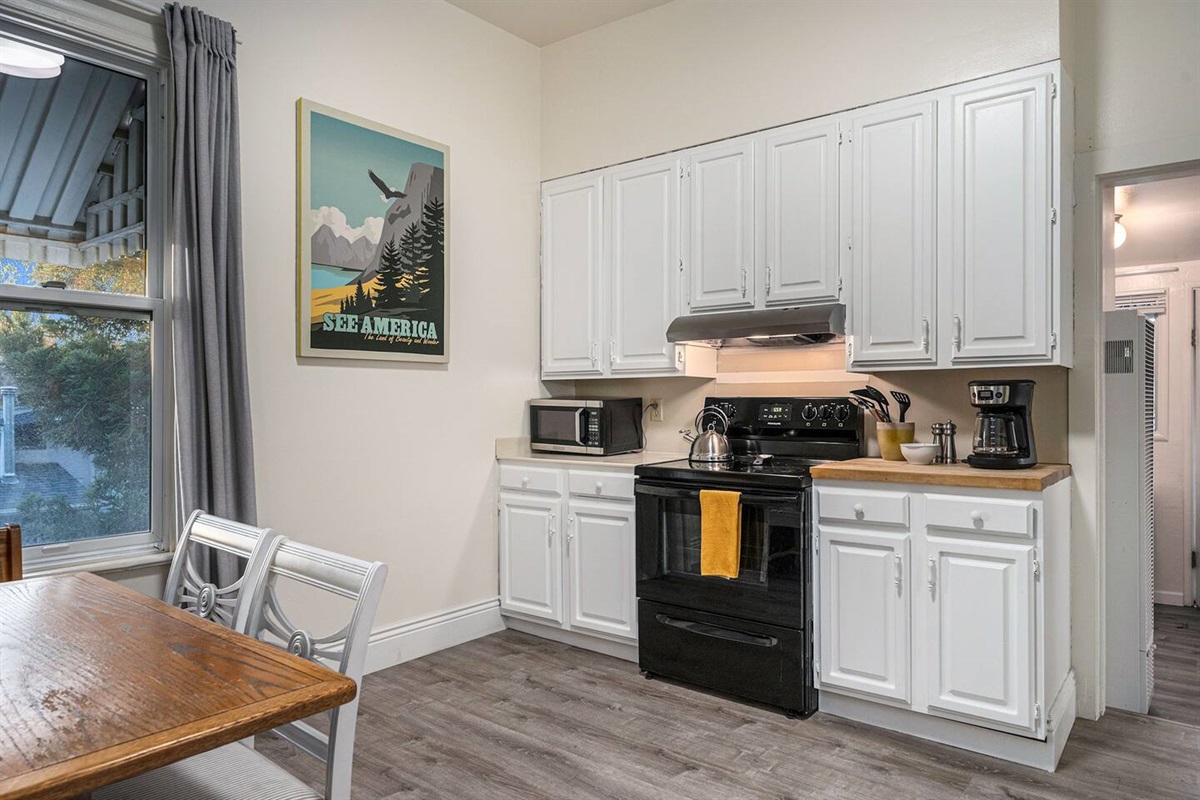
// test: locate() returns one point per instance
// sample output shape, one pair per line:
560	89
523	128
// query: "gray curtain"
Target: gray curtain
212	397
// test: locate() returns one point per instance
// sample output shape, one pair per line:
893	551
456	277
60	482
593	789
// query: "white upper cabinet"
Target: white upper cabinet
890	188
982	630
996	231
720	253
800	205
571	285
643	226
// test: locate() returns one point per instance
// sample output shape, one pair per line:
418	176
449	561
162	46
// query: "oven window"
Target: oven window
681	530
554	425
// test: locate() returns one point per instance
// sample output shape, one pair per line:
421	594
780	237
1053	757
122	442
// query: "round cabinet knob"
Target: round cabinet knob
808	413
599	487
859	511
977	517
525	480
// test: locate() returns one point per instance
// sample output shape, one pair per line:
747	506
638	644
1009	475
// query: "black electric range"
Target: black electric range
752	635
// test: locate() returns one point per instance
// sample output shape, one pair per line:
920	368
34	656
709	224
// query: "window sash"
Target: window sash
113	54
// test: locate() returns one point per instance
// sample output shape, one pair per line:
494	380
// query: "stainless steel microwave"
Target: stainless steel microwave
601	427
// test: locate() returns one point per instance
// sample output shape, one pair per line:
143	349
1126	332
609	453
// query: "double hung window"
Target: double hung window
82	319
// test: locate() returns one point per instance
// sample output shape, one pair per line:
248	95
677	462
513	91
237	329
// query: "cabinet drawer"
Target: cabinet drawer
1005	517
617	486
530	479
863	505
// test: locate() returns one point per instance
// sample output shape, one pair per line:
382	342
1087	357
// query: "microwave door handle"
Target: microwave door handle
579	426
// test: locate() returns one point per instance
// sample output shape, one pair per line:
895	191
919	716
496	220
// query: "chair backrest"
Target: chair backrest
198	582
262	616
10	552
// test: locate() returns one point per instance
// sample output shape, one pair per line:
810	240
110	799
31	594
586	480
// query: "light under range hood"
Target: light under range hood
788	327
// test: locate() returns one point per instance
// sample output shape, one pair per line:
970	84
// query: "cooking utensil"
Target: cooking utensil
904	400
868	405
869	395
710	446
880	398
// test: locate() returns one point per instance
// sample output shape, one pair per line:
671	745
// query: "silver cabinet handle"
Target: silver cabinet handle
899	570
612	351
550	531
570	532
768	280
932	574
957	333
743	281
925	334
592	353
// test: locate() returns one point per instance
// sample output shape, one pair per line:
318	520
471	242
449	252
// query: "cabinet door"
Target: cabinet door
865	611
801	206
720	253
571	259
600	554
981	628
996	235
530	556
891	197
643	230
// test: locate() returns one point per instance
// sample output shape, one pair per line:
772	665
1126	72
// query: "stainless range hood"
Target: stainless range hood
772	327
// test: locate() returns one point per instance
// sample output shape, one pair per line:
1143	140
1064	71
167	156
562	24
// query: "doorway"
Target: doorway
1151	264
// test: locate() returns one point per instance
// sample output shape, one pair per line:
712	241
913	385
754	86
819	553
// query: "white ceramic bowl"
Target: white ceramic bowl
919	452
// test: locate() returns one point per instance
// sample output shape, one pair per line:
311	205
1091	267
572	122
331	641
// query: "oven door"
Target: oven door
772	585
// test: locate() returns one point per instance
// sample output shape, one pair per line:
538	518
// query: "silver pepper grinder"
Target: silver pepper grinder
951	449
939	439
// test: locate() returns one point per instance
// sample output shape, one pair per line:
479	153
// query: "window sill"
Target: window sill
101	565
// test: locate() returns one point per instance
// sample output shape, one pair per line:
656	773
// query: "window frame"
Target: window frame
136	546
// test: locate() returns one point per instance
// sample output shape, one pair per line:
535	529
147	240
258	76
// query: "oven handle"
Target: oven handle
717	633
676	493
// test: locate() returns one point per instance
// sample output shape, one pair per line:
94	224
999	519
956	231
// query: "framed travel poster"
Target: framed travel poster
371	257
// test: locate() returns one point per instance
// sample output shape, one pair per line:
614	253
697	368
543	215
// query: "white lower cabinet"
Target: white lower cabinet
567	551
530	560
980	628
956	611
865	632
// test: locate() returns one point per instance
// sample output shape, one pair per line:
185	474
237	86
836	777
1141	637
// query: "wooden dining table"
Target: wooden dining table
99	683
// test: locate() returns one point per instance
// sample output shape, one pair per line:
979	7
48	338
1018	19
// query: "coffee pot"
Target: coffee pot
1003	436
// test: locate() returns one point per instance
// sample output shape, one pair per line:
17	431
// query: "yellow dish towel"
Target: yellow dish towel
720	533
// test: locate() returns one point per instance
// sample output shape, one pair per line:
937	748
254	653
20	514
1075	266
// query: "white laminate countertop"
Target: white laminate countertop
517	449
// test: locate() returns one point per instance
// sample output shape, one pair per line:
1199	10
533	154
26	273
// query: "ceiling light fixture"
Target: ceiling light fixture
26	61
1119	233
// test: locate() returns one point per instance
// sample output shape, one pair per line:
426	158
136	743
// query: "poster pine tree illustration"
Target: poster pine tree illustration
371	222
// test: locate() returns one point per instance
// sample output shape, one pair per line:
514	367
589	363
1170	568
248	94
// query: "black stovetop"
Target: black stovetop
774	441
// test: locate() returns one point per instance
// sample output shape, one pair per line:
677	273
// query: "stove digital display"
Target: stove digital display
775	413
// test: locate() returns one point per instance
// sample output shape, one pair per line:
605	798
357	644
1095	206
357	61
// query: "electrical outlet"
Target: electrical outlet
656	410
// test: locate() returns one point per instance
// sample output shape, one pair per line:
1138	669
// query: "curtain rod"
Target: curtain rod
157	10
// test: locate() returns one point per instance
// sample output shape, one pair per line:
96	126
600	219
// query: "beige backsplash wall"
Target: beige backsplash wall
819	370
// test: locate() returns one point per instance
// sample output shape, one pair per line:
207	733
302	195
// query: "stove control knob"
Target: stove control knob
842	413
808	413
826	412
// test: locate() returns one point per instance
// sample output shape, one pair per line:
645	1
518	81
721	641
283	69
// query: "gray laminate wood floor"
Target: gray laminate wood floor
1176	664
514	716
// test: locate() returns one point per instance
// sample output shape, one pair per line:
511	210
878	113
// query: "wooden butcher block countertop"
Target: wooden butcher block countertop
1034	479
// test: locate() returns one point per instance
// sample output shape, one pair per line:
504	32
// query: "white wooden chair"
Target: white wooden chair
235	771
202	536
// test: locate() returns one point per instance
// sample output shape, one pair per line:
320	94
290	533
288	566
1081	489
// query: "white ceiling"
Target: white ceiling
543	22
1162	220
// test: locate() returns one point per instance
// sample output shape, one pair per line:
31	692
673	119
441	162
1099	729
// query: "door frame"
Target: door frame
1096	171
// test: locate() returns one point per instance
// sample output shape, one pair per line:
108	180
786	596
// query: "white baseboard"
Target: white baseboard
403	641
598	644
1169	598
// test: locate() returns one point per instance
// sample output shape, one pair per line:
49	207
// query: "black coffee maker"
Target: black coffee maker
1004	425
